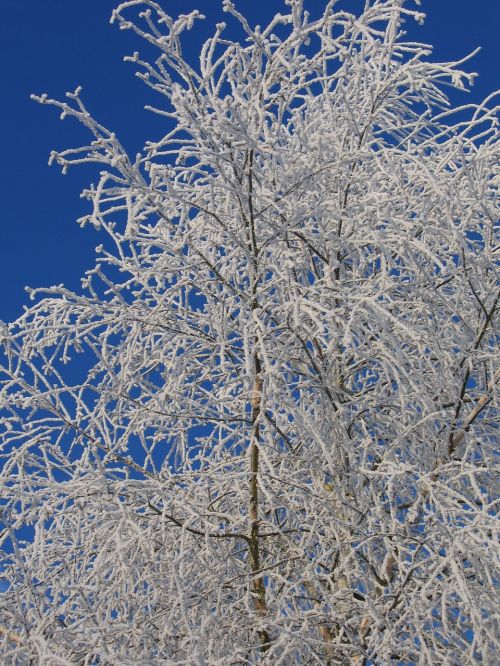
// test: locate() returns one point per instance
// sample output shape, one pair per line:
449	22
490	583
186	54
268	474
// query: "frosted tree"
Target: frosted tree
263	433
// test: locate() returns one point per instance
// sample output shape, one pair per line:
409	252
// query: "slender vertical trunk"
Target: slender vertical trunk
257	586
325	631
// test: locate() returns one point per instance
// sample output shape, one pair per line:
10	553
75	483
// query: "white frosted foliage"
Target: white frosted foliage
263	432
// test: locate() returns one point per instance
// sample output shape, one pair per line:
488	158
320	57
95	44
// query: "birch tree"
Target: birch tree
263	432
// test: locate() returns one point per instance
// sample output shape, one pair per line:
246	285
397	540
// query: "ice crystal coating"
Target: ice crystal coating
263	433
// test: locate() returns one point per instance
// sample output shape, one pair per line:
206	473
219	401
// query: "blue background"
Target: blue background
54	45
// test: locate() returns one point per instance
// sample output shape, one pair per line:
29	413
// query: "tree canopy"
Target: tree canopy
264	430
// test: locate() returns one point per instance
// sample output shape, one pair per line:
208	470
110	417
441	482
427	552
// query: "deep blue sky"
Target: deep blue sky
54	45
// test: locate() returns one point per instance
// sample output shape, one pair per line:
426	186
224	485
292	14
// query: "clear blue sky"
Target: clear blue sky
54	45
